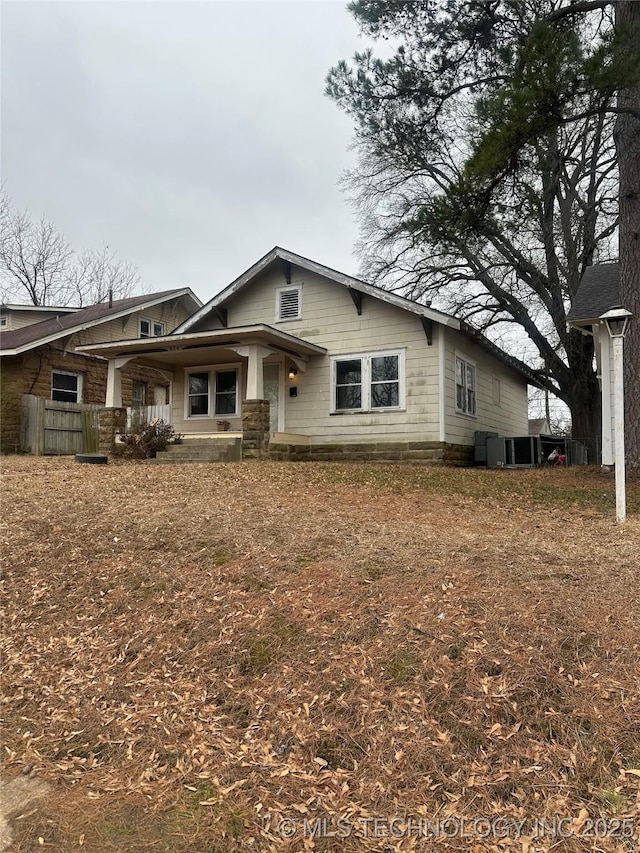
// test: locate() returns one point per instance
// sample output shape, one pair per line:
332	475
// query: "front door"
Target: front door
271	380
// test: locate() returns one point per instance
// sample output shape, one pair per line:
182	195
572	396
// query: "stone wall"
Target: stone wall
255	428
433	452
10	404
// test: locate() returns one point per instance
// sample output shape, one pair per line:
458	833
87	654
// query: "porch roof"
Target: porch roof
190	348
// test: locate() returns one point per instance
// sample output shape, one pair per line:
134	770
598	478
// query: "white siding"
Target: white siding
329	319
508	417
20	319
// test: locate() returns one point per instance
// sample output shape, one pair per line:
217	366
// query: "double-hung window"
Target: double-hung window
66	387
465	386
212	392
368	382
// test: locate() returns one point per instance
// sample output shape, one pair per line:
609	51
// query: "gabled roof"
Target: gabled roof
278	255
598	292
37	334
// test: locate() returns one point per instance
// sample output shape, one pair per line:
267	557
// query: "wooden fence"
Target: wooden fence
137	415
52	428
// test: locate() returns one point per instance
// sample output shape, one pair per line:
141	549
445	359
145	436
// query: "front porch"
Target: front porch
233	382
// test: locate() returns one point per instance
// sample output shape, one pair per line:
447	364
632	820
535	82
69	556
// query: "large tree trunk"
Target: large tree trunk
583	395
627	137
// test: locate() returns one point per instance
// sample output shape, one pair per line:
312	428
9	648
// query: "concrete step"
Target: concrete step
202	450
167	459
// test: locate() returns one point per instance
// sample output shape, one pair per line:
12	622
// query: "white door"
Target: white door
271	380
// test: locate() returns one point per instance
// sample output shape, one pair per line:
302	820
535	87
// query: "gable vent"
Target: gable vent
289	304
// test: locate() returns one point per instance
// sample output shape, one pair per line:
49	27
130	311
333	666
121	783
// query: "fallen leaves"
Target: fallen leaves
190	648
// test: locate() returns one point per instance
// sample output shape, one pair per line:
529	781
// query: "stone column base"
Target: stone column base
112	422
255	428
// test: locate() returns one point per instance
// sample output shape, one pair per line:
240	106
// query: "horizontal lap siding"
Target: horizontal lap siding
329	319
124	328
509	417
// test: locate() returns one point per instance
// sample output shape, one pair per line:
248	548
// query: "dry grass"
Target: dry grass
192	653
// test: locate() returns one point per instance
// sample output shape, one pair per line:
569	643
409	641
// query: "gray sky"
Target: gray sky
191	137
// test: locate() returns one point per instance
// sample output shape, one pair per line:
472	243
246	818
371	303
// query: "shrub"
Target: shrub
145	440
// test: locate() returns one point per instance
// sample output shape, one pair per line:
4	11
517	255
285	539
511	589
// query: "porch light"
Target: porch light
617	320
293	372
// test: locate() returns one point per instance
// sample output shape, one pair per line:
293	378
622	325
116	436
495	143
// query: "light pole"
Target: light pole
617	320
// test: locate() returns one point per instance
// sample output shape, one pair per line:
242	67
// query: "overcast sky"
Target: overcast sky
191	137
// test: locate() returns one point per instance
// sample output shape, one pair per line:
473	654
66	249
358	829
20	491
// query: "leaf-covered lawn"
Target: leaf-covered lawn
195	654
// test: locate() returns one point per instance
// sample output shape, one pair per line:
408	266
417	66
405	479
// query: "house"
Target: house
38	352
598	293
321	365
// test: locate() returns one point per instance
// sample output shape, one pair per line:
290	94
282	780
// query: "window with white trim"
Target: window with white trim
465	386
288	303
151	328
368	382
4	322
496	390
66	387
212	393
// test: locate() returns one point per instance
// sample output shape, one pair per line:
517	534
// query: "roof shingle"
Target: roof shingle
597	293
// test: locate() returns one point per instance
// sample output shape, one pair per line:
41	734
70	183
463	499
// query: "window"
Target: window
66	387
226	392
150	328
212	390
3	322
496	391
465	386
138	394
198	394
368	382
288	303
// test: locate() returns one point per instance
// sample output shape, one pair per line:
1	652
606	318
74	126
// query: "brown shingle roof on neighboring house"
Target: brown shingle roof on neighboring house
598	292
33	335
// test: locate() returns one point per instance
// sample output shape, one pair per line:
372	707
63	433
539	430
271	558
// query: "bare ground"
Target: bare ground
194	654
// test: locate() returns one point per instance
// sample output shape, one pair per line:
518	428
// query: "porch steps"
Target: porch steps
201	450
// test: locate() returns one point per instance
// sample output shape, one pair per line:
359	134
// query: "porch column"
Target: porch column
255	355
113	398
605	393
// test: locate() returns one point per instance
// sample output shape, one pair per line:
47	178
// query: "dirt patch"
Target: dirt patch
198	654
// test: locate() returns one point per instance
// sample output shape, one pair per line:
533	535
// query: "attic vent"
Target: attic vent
288	303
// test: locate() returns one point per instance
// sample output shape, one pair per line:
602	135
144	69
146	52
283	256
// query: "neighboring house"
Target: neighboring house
598	293
16	316
348	369
40	357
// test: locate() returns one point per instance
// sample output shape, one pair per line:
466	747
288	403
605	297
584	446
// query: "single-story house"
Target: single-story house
598	293
38	352
348	369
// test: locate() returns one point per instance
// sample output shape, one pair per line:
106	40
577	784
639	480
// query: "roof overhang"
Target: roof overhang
41	309
196	347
